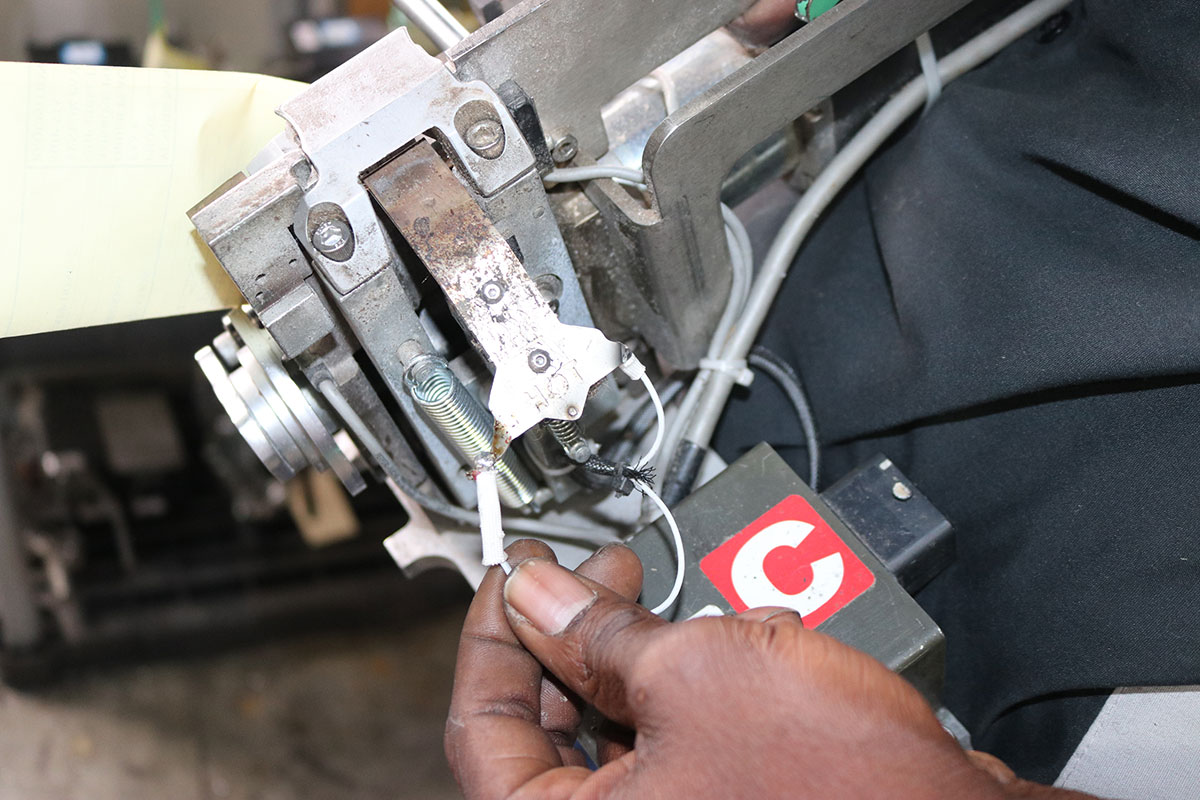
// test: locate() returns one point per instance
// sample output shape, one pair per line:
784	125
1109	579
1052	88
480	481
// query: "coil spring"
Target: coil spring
467	424
568	435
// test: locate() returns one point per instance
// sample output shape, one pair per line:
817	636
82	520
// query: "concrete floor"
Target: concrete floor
347	716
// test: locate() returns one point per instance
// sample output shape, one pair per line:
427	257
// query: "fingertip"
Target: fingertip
616	566
525	549
620	555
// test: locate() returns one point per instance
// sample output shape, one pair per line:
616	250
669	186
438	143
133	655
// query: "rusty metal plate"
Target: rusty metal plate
544	368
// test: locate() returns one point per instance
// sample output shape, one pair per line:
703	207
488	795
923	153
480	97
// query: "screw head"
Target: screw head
565	149
901	491
572	412
539	361
486	138
492	292
331	236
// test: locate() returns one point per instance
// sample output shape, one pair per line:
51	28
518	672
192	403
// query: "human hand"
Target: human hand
752	706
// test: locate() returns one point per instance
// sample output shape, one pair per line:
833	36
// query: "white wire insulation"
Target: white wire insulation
844	166
741	260
491	524
592	172
665	605
661	427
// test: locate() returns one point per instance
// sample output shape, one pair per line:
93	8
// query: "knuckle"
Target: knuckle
514	706
679	655
600	646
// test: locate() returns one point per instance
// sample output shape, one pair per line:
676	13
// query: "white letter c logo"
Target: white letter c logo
755	589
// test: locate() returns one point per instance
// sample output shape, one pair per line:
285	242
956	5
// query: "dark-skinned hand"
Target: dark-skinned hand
753	706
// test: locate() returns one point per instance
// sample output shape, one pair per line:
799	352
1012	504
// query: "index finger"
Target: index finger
494	739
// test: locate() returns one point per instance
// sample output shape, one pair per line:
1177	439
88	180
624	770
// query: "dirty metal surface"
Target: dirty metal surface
544	369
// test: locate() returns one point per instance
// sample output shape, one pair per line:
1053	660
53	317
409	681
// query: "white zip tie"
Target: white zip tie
929	68
735	368
491	528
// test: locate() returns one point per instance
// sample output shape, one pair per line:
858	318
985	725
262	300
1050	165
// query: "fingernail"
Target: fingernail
547	595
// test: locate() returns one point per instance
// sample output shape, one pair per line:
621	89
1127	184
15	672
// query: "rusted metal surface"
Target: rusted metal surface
493	296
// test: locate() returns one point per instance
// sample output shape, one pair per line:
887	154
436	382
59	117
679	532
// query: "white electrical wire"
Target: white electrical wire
677	536
834	178
592	172
661	427
634	368
741	261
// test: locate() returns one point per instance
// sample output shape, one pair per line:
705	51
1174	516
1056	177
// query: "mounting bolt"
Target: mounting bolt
565	149
492	292
900	491
486	138
332	237
539	361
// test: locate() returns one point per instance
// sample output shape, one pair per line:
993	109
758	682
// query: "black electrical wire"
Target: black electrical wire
782	373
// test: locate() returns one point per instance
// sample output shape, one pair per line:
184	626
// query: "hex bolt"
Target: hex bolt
539	361
565	150
486	138
492	292
466	424
901	491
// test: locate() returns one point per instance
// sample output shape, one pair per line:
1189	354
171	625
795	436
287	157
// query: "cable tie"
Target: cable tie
929	68
736	368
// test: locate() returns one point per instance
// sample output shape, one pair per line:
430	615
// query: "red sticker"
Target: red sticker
789	557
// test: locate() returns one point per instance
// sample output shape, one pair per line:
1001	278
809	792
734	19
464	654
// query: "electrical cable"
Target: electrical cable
634	368
593	172
782	373
661	414
829	184
741	260
679	556
438	506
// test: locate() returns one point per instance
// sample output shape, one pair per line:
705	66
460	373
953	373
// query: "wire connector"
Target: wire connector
632	366
622	478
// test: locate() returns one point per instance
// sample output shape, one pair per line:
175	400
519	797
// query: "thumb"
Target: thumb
587	635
